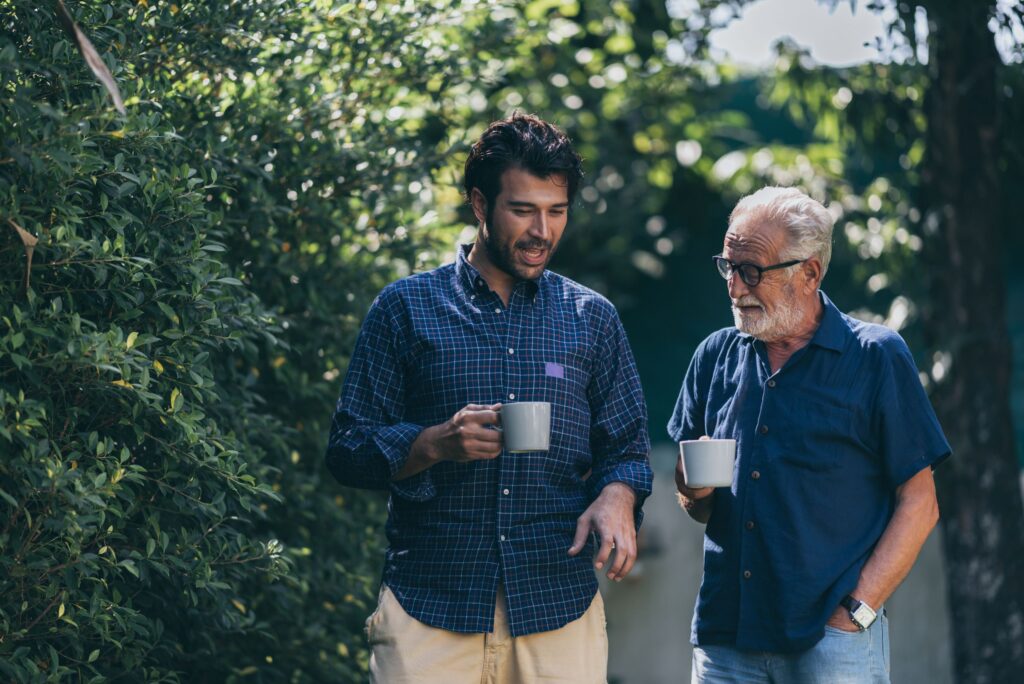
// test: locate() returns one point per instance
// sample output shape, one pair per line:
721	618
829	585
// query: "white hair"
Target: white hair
808	224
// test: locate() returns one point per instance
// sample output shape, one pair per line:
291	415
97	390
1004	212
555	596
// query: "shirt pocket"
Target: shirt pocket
820	439
565	386
565	383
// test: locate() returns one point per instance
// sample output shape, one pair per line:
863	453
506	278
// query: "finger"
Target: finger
680	477
705	437
478	450
482	416
625	556
702	493
582	532
478	433
604	552
615	565
630	562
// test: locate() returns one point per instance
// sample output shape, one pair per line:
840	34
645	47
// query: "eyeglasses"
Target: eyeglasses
750	274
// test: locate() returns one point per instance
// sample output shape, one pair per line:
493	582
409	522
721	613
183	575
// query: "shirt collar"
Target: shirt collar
470	279
831	332
473	283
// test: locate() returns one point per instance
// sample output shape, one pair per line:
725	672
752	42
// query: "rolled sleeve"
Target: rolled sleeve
370	440
618	436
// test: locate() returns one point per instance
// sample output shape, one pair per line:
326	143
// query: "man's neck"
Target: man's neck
499	281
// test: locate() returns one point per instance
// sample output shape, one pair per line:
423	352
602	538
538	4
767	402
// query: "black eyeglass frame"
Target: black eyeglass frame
726	268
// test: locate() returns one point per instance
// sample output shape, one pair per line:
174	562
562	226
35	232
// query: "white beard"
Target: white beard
783	322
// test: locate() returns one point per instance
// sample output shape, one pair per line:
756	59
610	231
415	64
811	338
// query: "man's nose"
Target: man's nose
540	228
737	288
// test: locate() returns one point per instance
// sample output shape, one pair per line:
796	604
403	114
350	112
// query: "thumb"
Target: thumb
582	532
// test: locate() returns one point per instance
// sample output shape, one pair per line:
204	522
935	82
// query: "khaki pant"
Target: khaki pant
406	651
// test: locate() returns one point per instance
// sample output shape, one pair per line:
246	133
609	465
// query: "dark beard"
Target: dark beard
502	257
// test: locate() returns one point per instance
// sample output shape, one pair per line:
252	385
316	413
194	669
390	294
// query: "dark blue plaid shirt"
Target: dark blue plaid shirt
431	344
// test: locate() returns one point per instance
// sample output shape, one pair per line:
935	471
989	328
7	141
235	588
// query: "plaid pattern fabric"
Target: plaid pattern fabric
431	344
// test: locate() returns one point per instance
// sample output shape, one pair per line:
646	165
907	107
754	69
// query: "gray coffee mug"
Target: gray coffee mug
708	462
526	426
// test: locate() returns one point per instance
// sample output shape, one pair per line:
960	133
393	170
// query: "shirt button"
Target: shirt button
756	475
472	296
771	383
511	396
502	537
511	350
764	429
497	310
750	524
505	492
746	574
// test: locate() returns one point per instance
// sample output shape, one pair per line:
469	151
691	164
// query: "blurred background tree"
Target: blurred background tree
205	260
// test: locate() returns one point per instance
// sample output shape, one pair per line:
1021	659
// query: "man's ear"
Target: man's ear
812	273
479	202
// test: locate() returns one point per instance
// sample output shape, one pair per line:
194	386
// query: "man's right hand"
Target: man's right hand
696	502
687	492
467	436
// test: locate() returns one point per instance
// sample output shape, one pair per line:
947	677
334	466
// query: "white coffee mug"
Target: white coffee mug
707	462
526	426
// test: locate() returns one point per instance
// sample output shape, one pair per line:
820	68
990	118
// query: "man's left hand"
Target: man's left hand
840	619
611	516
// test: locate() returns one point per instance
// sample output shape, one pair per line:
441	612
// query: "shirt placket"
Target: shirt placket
512	322
750	566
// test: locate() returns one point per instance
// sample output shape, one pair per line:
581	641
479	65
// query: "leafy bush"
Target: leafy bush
167	376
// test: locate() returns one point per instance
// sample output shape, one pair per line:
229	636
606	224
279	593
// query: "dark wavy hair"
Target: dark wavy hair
521	141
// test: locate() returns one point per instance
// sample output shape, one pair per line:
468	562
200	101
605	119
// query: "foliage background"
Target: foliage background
205	260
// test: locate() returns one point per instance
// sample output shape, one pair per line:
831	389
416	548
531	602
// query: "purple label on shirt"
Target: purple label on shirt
553	370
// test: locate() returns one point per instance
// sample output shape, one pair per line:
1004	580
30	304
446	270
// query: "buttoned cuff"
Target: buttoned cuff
394	442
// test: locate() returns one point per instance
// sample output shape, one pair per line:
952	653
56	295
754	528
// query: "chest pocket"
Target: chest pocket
823	438
567	386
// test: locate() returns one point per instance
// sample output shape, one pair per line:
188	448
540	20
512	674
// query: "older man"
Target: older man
832	495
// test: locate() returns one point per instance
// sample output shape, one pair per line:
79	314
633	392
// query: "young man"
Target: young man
488	573
833	494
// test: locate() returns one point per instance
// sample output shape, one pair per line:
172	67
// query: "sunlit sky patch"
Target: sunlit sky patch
836	36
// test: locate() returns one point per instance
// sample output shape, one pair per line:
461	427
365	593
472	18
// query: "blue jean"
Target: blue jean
839	658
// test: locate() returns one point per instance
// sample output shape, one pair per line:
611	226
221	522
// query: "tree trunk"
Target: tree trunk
965	323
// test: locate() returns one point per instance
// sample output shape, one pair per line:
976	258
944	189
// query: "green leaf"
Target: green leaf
8	498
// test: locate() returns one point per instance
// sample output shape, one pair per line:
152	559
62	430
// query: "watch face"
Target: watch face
863	616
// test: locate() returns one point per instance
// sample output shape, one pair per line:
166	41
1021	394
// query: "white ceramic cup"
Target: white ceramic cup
707	462
526	426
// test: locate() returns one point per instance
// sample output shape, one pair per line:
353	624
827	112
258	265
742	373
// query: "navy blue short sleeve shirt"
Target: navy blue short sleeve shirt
822	446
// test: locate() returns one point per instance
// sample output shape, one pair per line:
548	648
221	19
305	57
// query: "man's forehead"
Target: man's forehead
520	186
752	235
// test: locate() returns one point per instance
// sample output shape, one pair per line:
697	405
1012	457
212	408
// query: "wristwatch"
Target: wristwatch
861	614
